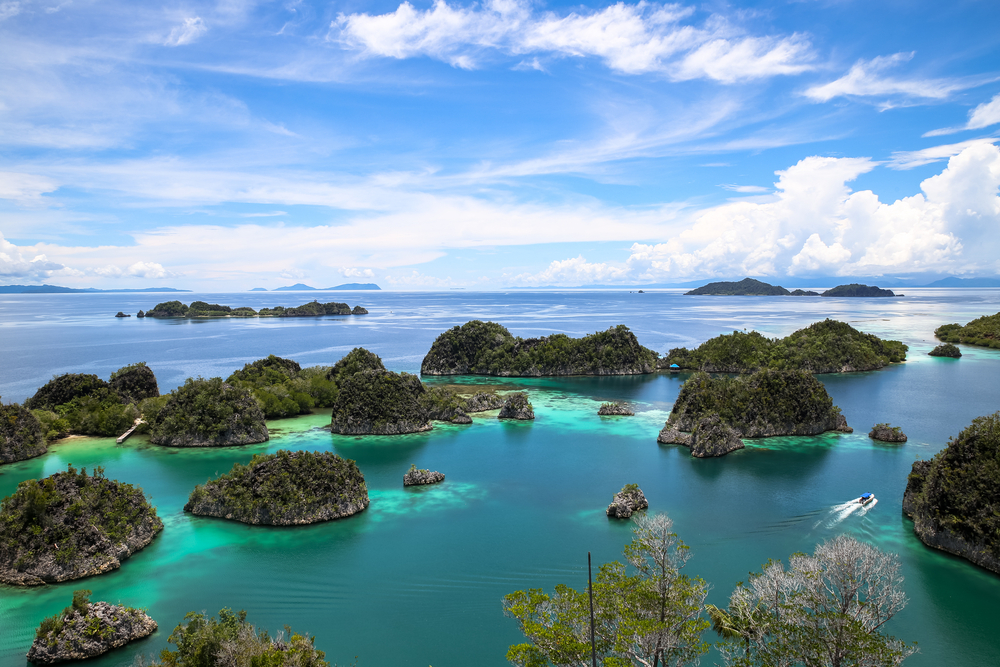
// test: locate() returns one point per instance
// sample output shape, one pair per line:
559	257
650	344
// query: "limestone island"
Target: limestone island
72	525
760	405
487	348
627	502
483	401
201	309
824	347
710	437
84	404
745	287
618	408
953	497
21	434
422	476
946	350
87	629
284	489
856	290
983	331
886	433
517	406
206	413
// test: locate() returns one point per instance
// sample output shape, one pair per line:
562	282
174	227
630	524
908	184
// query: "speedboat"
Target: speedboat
866	498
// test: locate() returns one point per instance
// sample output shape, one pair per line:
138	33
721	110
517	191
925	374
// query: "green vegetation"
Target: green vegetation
854	289
946	350
206	413
745	287
953	497
282	388
231	641
984	331
645	611
824	347
826	610
63	389
203	309
802	292
69	525
283	489
134	382
54	427
379	402
487	348
168	309
762	404
22	435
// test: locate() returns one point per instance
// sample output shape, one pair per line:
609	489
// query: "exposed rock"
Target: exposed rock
483	401
284	489
487	348
85	525
121	314
887	433
140	314
854	289
613	409
516	406
21	434
946	350
374	402
76	635
443	404
358	310
671	435
626	502
842	426
953	498
461	418
419	477
713	438
208	413
135	383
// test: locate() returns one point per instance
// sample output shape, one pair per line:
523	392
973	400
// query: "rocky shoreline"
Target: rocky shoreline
420	477
76	635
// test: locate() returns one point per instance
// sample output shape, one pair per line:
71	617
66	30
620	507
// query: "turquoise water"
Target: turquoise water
418	577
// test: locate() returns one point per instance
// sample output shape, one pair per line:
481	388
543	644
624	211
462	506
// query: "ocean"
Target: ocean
418	577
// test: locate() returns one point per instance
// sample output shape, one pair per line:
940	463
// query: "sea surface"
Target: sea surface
417	579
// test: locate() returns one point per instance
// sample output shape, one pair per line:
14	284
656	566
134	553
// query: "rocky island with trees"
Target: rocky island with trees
829	346
201	309
206	413
752	287
760	405
284	489
983	331
21	434
946	350
72	525
487	348
953	497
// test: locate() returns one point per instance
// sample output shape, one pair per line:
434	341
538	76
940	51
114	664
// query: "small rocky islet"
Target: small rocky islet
615	409
72	525
421	476
885	432
627	502
284	489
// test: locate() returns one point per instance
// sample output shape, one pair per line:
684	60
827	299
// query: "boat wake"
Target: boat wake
839	513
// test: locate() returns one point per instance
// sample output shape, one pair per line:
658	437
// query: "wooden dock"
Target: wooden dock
124	436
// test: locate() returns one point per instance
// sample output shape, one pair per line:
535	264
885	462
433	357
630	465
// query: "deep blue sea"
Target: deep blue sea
418	577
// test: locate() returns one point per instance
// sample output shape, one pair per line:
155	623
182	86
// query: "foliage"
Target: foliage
282	388
745	287
824	347
311	309
983	331
959	490
380	402
202	309
70	514
63	389
441	403
826	610
100	413
357	360
487	348
53	426
231	641
284	484
645	612
754	404
168	309
884	426
854	289
946	350
22	434
134	382
205	410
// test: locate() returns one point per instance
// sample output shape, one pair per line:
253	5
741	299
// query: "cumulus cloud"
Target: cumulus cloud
629	38
573	271
188	31
351	272
14	265
866	79
136	270
984	115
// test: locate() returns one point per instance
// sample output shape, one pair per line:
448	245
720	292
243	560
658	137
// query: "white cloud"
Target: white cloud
137	270
188	31
573	271
744	189
984	115
629	38
24	188
865	80
14	265
9	9
918	158
351	272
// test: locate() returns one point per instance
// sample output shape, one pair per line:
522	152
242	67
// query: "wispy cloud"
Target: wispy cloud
745	189
984	115
918	158
189	30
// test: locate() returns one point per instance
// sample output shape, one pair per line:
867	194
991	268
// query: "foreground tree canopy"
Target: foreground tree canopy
825	610
824	347
645	612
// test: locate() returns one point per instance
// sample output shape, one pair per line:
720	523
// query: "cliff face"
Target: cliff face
21	435
483	401
421	477
486	348
763	404
516	406
626	502
79	635
208	413
375	402
71	525
712	438
284	489
953	497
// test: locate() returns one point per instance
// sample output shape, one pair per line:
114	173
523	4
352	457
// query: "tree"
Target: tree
826	610
648	615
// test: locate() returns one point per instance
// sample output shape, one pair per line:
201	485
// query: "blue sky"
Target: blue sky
235	144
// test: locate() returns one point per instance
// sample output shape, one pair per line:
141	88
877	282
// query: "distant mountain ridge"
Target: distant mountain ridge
56	289
299	287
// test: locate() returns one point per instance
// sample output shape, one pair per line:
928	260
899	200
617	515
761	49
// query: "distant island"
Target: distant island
983	331
751	287
55	289
198	309
965	282
299	287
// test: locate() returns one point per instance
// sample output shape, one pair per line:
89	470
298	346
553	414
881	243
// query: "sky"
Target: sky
222	146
